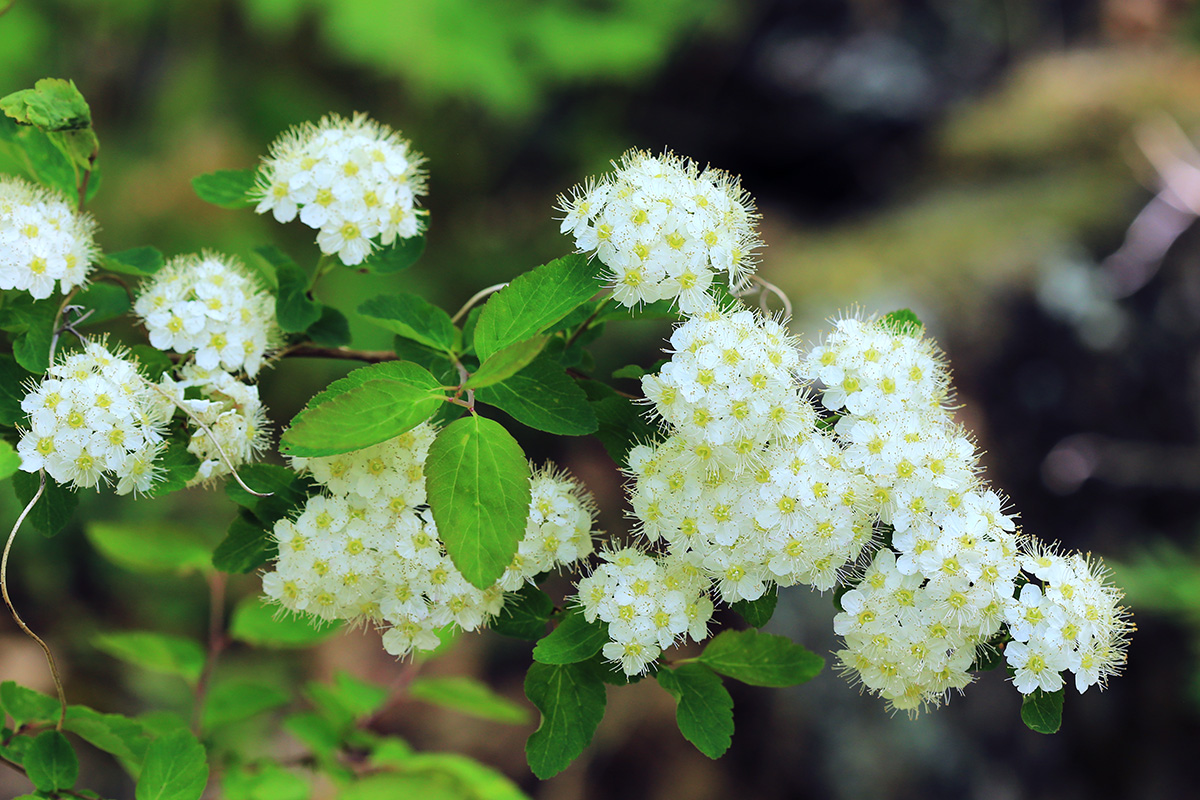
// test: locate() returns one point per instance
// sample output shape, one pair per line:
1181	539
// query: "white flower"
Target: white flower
43	239
354	180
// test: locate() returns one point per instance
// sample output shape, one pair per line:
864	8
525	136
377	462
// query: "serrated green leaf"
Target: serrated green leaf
272	626
286	491
703	707
477	482
758	612
412	317
10	462
571	699
1042	711
760	659
525	614
506	363
13	381
533	302
50	762
48	165
574	640
472	780
176	768
138	261
173	655
369	406
162	547
32	323
294	308
53	509
105	301
904	321
124	738
619	423
227	188
53	104
544	397
234	701
399	255
468	697
178	465
26	705
331	329
246	547
631	371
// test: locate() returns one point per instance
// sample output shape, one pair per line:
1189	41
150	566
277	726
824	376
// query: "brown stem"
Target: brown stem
311	350
216	644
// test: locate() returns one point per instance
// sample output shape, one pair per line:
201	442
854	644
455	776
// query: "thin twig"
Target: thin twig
216	644
475	298
311	350
587	322
767	286
66	302
62	696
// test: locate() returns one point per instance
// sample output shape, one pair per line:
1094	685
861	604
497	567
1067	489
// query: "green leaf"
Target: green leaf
162	547
271	626
227	188
246	547
631	371
50	762
10	462
234	701
178	465
477	481
525	614
904	322
347	699
368	406
533	302
26	705
159	652
472	780
468	697
571	698
294	307
315	731
574	640
761	659
121	736
331	329
398	785
53	509
400	255
1042	711
620	423
758	612
267	781
544	397
138	261
32	322
48	165
13	380
287	491
704	709
105	301
412	317
53	104
504	364
176	769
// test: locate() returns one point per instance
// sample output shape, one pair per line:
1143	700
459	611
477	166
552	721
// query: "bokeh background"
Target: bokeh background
1021	173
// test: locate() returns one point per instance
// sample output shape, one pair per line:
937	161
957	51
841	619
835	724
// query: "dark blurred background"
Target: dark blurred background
1021	173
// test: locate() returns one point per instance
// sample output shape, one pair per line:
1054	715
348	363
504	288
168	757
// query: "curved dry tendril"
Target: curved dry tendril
475	298
211	437
766	287
62	696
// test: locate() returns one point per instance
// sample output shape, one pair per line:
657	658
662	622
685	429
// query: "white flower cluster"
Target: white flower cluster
663	227
42	239
1071	622
94	418
368	551
233	414
211	305
353	180
649	604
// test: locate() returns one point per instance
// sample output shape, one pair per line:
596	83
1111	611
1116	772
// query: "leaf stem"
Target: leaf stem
475	298
587	323
62	696
216	644
324	264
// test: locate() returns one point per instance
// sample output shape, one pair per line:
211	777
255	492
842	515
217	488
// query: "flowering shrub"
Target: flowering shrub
753	463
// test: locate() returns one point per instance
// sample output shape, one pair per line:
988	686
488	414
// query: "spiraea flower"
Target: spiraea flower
237	426
368	549
43	239
94	418
355	181
210	305
663	228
